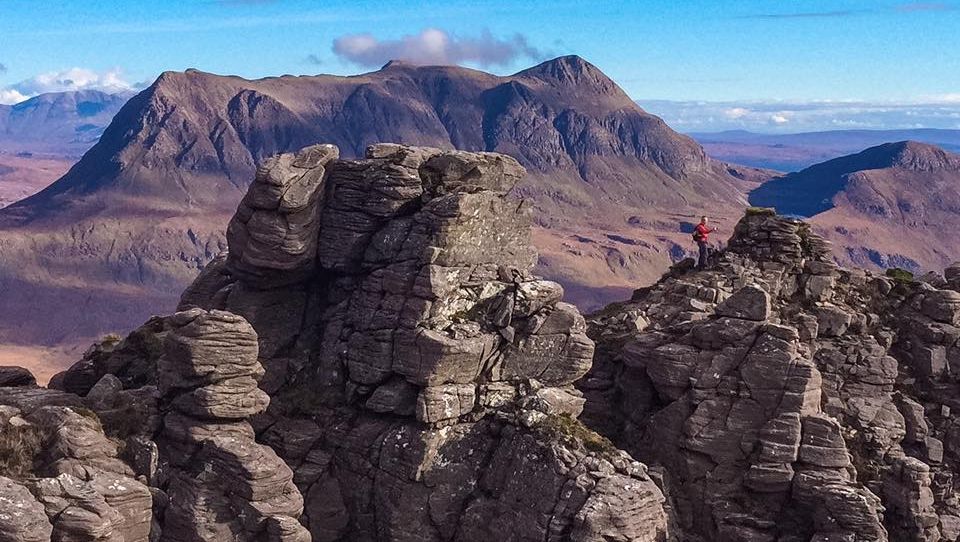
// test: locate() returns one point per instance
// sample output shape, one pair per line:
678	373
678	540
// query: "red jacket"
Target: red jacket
704	232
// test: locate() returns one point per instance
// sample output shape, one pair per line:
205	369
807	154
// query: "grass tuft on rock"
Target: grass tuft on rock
19	446
571	432
900	275
760	211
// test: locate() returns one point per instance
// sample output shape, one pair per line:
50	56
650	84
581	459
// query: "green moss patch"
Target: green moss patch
760	211
900	275
571	432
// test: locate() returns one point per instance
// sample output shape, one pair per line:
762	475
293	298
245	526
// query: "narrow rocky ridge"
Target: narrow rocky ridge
785	398
373	360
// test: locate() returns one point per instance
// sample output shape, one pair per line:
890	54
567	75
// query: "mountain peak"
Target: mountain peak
917	156
397	63
571	70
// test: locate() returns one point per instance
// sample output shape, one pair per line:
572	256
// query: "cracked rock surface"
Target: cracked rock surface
783	397
372	360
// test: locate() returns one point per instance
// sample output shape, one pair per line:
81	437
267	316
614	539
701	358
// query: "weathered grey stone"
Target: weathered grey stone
273	237
445	402
832	321
942	306
22	518
77	511
12	376
750	303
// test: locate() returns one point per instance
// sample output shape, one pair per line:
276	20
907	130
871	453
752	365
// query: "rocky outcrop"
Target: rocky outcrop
69	481
419	358
784	398
220	483
372	360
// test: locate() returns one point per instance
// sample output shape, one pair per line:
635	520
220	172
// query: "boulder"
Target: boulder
749	303
942	306
22	518
13	376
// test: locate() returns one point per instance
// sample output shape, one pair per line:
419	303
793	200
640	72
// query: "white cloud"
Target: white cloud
10	96
940	111
780	118
434	46
111	81
950	98
736	112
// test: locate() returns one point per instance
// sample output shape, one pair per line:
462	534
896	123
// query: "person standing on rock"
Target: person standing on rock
701	235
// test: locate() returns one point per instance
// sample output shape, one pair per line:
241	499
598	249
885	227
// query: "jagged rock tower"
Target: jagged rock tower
372	361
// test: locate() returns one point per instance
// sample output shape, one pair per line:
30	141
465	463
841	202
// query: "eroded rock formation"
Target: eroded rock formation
373	360
785	398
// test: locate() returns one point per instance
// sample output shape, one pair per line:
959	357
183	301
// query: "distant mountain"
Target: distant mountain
793	152
58	123
145	208
891	205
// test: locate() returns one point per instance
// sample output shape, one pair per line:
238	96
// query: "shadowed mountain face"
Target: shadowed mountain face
134	220
58	123
889	205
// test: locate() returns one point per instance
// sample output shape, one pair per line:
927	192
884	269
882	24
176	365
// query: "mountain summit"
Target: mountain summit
143	210
192	138
888	205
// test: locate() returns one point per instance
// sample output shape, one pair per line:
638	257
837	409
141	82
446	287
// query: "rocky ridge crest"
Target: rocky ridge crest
373	360
785	398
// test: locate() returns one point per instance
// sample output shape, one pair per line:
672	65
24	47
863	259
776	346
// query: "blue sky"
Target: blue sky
759	51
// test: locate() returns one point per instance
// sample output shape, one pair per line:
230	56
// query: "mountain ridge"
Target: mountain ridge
886	206
58	123
145	208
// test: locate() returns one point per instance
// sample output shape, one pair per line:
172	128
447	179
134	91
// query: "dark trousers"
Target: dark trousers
704	254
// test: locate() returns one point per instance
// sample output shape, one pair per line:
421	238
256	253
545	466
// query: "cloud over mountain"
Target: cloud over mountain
435	46
111	81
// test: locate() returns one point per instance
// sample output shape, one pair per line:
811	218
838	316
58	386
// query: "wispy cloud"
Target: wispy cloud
926	6
66	80
910	7
942	111
435	46
806	15
314	60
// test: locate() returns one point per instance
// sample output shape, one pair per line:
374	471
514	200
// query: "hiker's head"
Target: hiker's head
703	219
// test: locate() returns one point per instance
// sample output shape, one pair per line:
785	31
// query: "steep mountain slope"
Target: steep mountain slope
891	205
58	123
139	215
42	137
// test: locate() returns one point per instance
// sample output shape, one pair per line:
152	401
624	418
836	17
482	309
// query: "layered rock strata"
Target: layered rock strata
785	398
372	360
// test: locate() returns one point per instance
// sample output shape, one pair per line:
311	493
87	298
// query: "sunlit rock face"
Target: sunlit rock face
373	360
783	397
